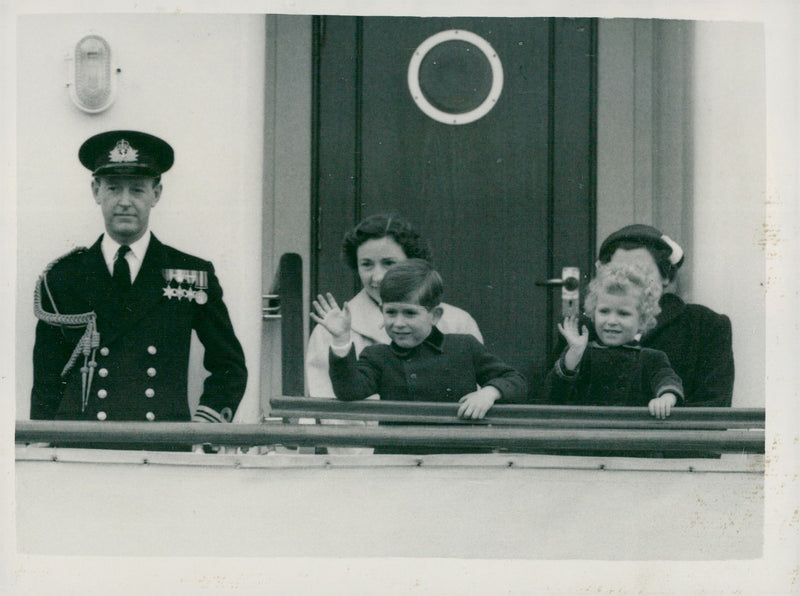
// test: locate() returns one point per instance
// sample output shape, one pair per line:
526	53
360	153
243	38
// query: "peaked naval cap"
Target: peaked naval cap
126	153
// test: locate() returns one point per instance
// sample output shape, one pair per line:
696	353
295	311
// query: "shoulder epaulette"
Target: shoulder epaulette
74	251
55	318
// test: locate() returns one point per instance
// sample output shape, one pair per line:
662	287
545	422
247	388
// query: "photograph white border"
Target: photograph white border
776	573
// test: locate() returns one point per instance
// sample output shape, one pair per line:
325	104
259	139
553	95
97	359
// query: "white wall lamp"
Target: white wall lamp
92	81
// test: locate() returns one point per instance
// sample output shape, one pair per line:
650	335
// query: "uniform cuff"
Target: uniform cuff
206	414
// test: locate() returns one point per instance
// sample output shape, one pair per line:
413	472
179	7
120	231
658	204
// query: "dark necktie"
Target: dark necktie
122	272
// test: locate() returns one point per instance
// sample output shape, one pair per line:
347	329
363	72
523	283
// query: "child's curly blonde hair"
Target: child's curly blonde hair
621	280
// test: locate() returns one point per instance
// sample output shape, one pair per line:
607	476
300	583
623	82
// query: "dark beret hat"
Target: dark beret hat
126	153
646	236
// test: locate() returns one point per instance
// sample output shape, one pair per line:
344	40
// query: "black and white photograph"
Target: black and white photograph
400	298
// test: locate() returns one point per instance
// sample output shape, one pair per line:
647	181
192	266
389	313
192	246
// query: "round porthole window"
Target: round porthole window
455	77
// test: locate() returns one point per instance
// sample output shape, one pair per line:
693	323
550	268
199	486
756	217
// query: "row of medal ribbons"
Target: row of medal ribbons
198	279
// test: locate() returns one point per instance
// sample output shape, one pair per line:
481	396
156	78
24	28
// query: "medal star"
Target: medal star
168	292
190	293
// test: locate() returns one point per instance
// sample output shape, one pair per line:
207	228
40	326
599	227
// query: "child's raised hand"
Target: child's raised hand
569	329
660	406
475	405
336	320
576	340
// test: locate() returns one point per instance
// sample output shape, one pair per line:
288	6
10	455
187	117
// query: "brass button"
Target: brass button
104	351
103	372
151	372
102	394
151	349
101	416
150	416
149	392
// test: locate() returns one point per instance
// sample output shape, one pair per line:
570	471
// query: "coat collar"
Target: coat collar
434	340
671	308
631	345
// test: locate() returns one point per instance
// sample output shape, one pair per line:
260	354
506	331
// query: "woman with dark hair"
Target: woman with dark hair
369	249
696	339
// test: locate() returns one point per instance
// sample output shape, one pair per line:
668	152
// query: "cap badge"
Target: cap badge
123	152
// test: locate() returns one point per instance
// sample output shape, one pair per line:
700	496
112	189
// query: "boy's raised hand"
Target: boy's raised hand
336	320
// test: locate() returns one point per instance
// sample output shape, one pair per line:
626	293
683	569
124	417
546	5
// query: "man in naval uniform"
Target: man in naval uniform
116	319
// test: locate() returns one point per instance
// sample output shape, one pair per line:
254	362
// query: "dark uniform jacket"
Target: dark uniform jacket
443	368
143	355
698	343
626	375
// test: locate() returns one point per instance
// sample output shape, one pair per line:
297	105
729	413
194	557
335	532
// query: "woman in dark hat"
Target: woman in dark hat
696	339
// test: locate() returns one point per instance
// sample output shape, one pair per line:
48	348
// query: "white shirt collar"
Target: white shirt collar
109	248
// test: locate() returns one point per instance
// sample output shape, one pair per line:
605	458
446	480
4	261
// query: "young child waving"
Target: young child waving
421	363
615	370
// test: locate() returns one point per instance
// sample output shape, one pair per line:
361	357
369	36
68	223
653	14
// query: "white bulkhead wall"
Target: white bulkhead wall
682	146
730	235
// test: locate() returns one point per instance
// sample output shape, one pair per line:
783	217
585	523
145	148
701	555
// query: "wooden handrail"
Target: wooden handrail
445	437
518	415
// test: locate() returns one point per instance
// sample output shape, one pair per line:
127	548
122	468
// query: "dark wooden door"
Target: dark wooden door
505	201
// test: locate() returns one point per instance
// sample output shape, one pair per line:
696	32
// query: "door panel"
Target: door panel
504	201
